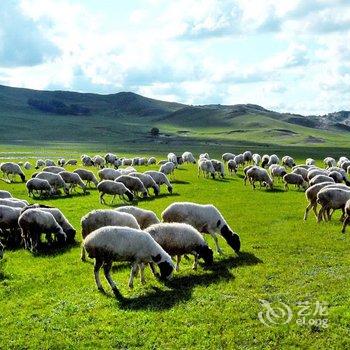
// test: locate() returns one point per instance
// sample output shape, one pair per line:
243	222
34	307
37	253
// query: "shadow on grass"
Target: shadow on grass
179	182
55	249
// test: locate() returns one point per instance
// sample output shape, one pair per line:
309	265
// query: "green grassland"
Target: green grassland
51	301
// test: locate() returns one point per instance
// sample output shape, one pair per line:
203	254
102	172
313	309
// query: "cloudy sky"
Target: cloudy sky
284	55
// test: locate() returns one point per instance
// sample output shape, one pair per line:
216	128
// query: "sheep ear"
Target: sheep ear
156	258
218	223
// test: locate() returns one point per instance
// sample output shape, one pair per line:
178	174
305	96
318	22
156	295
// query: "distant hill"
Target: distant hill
127	117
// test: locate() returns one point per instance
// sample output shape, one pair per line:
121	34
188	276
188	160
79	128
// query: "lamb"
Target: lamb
87	160
160	179
256	158
108	174
148	182
55	180
247	156
232	166
294	179
33	222
87	175
288	161
310	161
204	218
108	244
261	175
228	156
167	168
27	166
133	184
100	218
40	186
180	239
347	216
144	217
14	169
53	169
72	162
218	167
9	225
5	194
329	162
39	163
188	157
73	179
152	160
206	167
114	189
13	202
320	178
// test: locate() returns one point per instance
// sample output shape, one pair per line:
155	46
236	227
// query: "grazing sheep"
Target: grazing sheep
135	161
341	161
347	216
133	184
73	179
27	166
188	157
294	179
218	167
204	155
277	171
273	159
206	167
247	156
61	162
261	175
108	244
114	189
5	194
40	186
336	176
108	174
320	178
39	163
228	156
143	161
310	161
232	166
144	217
9	225
256	159
87	175
98	161
126	162
33	222
342	172
288	161
204	218
104	217
87	160
180	239
172	158
163	161
147	181
245	170
14	169
110	158
264	160
13	202
127	170
301	171
53	169
55	180
152	160
314	172
72	162
160	179
329	162
345	165
167	168
239	159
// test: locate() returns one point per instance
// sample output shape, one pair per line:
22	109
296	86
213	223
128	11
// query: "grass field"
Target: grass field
51	301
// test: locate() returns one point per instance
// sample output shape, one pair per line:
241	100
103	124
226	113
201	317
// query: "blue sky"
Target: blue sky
284	55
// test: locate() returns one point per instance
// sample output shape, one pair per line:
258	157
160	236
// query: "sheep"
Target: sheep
104	217
72	162
39	163
114	189
345	165
247	156
108	174
273	159
204	155
87	160
341	161
40	186
61	162
259	174
277	171
55	180
264	160
204	218
87	175
256	159
2	248
188	157
218	167
5	194
172	158
98	161
73	179
147	181
310	161
13	202
336	176
160	179
143	161
163	161
167	168
152	160
127	170
347	216
288	161
53	169
144	217
67	227
329	162
14	169
33	222
111	243
133	184
49	162
126	162
342	172
27	166
320	178
228	156
110	158
294	179
9	225
301	171
314	172
180	239
232	166
331	198
135	161
245	170
239	159
206	167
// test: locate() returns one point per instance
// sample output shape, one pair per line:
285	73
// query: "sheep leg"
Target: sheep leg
134	271
178	259
142	273
320	214
153	269
219	250
97	266
195	264
113	199
83	254
345	223
107	271
102	201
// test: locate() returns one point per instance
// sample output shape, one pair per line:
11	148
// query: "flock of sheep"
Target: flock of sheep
129	233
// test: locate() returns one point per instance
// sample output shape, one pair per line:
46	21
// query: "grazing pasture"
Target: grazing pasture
51	301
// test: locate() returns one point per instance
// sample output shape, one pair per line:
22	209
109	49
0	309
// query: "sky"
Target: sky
289	56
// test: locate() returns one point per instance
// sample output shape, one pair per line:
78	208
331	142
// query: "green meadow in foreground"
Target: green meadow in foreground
51	301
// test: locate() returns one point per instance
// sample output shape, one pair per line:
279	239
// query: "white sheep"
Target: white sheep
204	155
49	162
172	158
167	168
256	159
13	202
277	171
310	161
114	189
273	159
61	162
247	156
135	161
87	175
39	163
9	225
152	160
27	166
232	166
127	170
147	181
239	159
133	184
73	180
301	171
257	174
104	217
294	179
228	156
72	162
40	186
218	167
320	178
144	217
336	176
288	161
126	161
188	157
160	179
206	167
5	194
98	161
264	160
111	243
108	174
110	158
180	239
347	216
53	169
87	160
204	218
55	180
329	162
13	169
315	171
